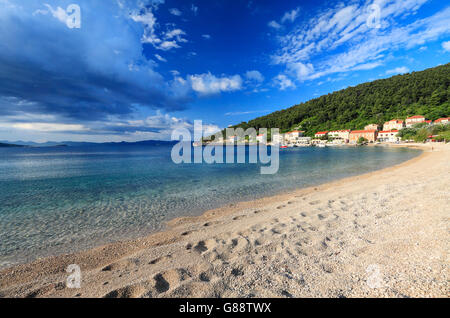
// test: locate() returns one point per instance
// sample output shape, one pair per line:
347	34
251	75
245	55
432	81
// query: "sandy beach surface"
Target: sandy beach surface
383	234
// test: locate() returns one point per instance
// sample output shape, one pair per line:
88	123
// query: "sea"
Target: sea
59	200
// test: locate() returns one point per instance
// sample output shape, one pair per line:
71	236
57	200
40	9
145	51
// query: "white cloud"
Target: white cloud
350	44
398	70
255	76
167	45
206	36
58	13
175	11
207	84
48	127
446	46
290	16
274	24
160	58
301	71
175	33
283	82
163	41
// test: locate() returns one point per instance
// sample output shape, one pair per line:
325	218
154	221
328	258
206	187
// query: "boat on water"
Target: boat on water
321	145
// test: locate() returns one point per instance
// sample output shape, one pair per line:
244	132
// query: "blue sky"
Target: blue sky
135	70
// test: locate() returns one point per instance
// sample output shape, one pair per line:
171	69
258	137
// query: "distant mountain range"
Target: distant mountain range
20	143
7	145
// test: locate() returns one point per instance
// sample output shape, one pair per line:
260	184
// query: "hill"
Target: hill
3	145
424	93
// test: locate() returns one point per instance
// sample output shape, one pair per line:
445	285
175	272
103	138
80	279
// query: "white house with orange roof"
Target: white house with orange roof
261	138
442	121
340	134
394	124
294	134
232	139
388	136
321	134
411	121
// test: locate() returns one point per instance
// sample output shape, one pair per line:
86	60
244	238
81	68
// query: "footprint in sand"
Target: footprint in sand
132	291
159	259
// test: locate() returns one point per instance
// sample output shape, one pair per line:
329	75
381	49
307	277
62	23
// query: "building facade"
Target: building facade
442	121
411	121
394	124
372	127
321	134
293	136
304	140
340	134
388	136
278	139
370	135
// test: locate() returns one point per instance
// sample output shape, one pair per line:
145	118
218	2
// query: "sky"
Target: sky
129	70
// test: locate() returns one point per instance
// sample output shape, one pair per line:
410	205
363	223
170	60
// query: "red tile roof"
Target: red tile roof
363	131
397	121
388	131
441	119
417	116
322	133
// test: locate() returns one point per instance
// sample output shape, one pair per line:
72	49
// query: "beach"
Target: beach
381	234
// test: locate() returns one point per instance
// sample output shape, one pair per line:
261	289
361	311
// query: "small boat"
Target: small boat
283	147
321	145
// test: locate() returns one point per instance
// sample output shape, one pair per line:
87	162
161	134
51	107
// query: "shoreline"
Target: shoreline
22	280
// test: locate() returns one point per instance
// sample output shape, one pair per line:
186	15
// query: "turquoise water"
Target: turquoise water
62	200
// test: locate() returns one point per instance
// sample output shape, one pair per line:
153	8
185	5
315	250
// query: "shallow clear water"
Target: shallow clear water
61	200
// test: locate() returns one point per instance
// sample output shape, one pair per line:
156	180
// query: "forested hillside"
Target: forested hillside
424	93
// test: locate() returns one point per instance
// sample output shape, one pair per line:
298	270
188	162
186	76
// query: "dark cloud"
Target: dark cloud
79	74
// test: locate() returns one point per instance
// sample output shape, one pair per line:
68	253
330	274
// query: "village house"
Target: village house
304	140
321	134
278	139
232	139
372	127
370	135
318	142
261	138
388	136
219	140
293	136
411	121
394	124
442	121
340	134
